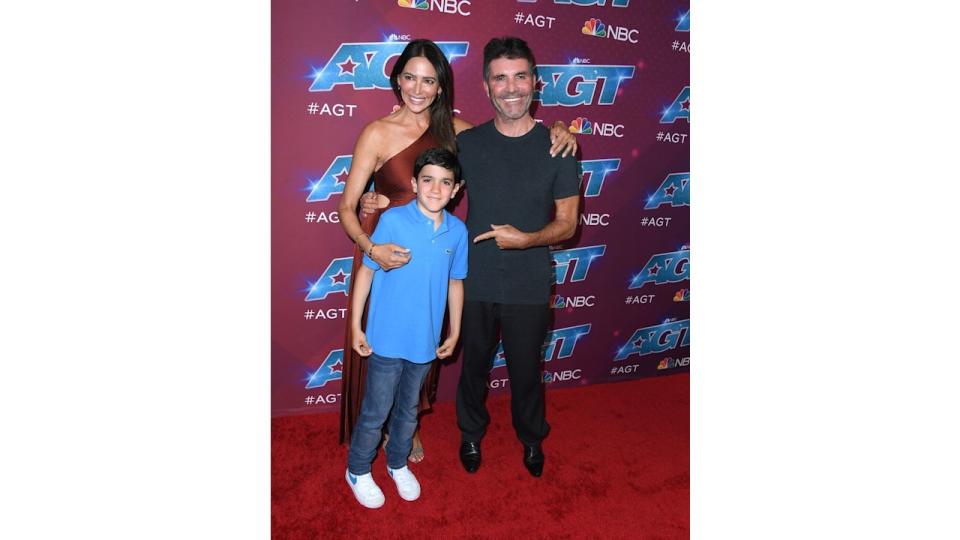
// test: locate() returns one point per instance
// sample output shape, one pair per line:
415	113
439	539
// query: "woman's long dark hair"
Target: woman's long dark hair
441	110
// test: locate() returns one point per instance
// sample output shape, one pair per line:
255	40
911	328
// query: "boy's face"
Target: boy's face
434	187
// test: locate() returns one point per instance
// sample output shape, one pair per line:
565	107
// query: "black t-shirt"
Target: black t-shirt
511	180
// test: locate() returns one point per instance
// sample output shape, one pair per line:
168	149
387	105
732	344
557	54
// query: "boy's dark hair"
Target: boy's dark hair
440	157
507	47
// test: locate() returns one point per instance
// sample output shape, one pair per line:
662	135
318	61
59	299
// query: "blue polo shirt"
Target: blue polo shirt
407	303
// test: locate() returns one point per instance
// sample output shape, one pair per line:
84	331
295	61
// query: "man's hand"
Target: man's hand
360	344
390	256
561	138
372	201
506	236
446	348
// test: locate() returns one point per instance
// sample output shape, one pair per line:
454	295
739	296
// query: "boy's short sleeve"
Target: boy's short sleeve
381	235
459	268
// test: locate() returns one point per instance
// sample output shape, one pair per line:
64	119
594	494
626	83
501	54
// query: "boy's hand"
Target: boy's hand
360	344
446	348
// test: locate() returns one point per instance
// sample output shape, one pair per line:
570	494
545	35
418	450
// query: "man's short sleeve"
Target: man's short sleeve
567	182
381	235
459	268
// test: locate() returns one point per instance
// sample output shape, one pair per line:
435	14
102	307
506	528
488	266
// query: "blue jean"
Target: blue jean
392	383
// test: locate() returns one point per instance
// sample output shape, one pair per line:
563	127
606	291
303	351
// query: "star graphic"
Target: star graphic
339	277
347	66
337	367
638	343
685	105
654	269
669	190
540	84
341	177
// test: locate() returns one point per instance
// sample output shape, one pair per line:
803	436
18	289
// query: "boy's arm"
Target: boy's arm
361	289
455	305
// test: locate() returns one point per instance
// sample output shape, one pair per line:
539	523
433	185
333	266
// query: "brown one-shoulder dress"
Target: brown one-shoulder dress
393	181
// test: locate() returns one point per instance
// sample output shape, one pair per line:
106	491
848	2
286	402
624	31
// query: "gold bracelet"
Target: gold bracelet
370	249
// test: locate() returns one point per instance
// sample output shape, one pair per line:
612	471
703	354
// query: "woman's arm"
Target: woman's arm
361	168
365	158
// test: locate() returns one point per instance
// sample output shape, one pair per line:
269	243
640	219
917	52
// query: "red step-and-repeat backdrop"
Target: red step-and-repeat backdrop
615	71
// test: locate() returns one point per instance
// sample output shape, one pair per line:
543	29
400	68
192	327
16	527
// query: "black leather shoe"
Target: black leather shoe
533	459
470	456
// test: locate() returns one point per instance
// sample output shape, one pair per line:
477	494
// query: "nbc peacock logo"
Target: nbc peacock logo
414	4
594	27
582	126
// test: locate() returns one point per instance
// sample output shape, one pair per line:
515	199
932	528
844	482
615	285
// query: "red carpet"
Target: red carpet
617	467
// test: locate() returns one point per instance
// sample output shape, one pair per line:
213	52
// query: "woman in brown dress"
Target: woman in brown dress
386	149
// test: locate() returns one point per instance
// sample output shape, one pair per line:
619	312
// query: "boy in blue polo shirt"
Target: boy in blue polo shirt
404	320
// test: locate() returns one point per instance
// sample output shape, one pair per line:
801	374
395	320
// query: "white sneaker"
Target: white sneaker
407	485
365	489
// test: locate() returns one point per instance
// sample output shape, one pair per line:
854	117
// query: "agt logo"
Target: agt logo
335	279
561	341
363	65
674	190
570	85
656	339
595	27
670	363
330	370
595	171
332	181
680	108
613	3
583	126
575	262
443	6
663	268
683	22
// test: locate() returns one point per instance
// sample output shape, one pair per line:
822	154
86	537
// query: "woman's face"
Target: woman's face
418	84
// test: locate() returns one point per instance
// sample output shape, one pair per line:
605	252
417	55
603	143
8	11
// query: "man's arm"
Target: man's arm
562	227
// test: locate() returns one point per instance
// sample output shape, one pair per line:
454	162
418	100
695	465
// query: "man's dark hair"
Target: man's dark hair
507	47
440	157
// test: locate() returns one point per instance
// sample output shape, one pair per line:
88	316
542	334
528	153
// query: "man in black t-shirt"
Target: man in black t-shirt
520	202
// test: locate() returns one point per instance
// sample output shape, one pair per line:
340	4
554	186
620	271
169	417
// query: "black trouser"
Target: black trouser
524	328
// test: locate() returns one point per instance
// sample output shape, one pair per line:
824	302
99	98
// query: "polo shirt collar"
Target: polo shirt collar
415	215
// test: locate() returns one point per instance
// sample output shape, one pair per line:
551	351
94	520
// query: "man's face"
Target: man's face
510	87
434	187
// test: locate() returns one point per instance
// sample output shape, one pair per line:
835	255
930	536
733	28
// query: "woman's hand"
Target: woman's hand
561	138
390	256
